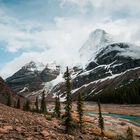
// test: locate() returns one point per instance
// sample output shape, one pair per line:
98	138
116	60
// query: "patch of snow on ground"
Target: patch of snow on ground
73	91
87	72
98	92
101	80
62	98
116	65
34	66
92	91
58	79
23	90
40	66
51	84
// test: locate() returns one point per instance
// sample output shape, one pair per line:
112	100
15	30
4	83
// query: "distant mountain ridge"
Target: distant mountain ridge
32	77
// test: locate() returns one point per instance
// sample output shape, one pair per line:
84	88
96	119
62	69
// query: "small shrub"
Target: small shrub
57	108
18	104
26	106
96	138
48	117
129	135
119	137
9	100
80	111
43	103
37	105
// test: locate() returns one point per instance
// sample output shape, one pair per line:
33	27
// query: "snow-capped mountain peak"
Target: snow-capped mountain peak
34	66
53	66
100	36
97	40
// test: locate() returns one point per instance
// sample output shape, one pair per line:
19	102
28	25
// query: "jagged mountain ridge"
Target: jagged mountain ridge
104	60
31	78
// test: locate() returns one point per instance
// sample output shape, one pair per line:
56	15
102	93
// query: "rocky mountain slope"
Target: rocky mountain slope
31	78
5	91
106	65
109	66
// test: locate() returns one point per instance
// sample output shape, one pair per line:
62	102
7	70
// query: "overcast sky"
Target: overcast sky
54	30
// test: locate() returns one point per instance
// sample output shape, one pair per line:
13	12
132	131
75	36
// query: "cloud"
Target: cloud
19	35
63	43
60	40
99	9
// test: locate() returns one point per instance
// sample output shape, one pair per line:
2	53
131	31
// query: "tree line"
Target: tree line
125	94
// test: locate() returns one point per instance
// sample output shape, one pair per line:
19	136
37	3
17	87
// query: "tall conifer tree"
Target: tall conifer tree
80	110
43	103
9	100
100	120
57	107
68	107
37	104
130	135
18	103
26	106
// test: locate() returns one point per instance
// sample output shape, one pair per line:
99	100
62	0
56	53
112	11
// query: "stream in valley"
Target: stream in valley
134	119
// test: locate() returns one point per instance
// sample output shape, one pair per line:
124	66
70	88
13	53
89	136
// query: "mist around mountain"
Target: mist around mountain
107	68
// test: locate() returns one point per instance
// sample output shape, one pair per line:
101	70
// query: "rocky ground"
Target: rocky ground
16	124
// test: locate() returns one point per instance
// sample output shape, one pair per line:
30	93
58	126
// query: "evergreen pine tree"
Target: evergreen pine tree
18	103
37	104
9	100
15	104
43	103
130	135
80	110
68	107
57	107
101	120
26	106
